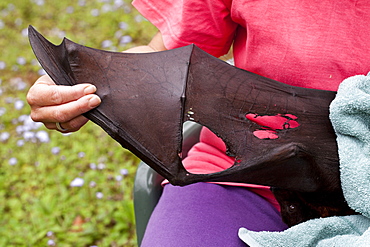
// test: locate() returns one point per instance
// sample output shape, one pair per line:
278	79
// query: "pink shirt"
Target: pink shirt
306	43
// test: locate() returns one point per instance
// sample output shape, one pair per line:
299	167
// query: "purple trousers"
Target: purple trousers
205	214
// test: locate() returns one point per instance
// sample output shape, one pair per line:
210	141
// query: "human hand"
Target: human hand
52	104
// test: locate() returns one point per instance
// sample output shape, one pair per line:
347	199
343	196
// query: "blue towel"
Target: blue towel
350	116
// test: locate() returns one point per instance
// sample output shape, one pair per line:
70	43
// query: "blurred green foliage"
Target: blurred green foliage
40	204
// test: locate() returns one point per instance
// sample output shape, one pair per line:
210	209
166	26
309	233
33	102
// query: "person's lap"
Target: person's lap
206	214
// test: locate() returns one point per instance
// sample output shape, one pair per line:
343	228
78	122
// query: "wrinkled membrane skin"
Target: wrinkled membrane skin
147	97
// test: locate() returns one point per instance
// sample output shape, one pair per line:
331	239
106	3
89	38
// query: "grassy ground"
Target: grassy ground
62	190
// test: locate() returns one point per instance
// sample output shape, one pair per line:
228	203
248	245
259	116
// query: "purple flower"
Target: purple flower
139	18
28	135
39	2
2	65
81	3
20	129
13	161
21	61
118	3
24	32
125	39
20	85
77	182
92	184
42	136
23	118
51	242
41	72
81	154
123	25
4	136
123	172
92	166
95	12
55	150
70	9
99	195
106	8
18	104
101	166
20	143
106	44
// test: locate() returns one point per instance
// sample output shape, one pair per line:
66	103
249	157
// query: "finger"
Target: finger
45	93
70	126
65	112
76	123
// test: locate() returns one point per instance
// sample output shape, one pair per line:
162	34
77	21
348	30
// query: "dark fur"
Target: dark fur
297	207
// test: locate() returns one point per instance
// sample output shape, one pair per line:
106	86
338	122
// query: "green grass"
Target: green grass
38	205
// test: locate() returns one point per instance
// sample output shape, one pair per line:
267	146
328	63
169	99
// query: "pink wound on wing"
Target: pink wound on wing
270	124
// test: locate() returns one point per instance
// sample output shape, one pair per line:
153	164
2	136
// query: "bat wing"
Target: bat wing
233	103
146	98
142	95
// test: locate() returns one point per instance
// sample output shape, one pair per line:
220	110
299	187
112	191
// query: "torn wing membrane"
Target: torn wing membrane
271	124
208	154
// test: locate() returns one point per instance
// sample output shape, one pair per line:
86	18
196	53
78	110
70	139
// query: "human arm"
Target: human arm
51	104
